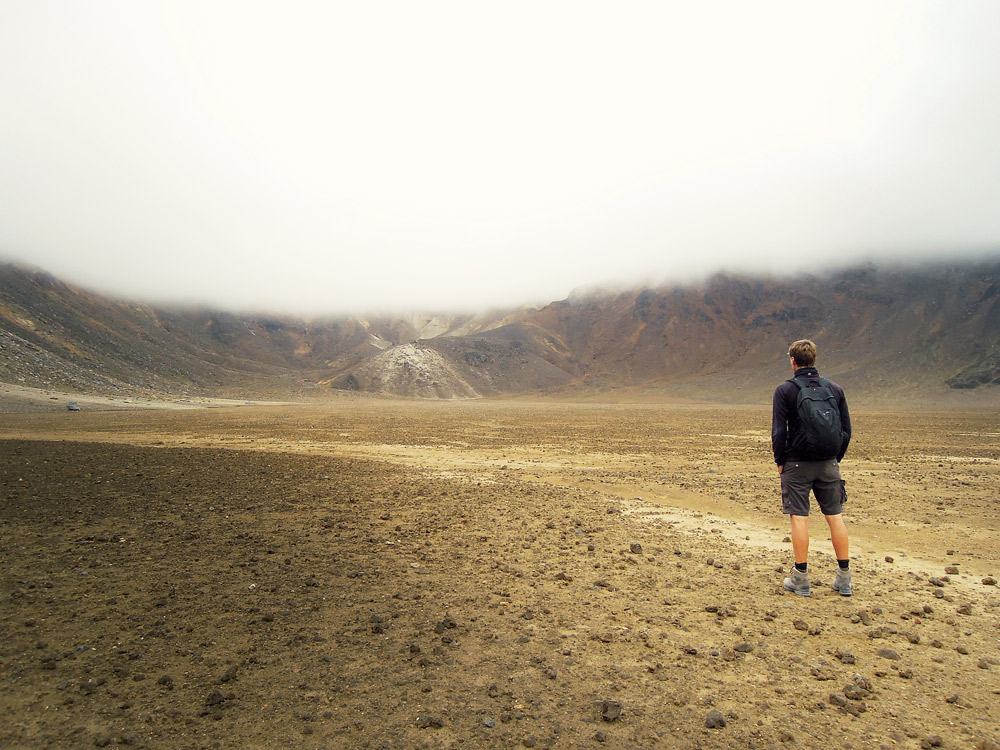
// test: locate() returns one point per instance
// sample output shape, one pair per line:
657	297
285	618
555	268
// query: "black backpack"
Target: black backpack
820	432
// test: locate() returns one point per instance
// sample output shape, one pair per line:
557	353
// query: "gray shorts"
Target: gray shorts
822	477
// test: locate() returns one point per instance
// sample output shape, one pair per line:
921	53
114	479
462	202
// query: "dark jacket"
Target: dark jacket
785	420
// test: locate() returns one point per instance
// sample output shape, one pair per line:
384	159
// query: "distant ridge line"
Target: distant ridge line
932	327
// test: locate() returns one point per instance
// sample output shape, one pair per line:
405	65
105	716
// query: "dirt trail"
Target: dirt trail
17	398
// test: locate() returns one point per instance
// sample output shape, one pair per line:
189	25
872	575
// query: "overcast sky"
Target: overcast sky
358	156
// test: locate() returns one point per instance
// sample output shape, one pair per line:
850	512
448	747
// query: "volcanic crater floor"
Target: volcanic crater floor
482	574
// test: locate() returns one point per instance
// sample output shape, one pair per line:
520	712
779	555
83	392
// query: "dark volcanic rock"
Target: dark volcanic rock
715	719
215	698
611	710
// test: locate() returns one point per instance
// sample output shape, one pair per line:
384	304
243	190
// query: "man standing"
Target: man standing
810	432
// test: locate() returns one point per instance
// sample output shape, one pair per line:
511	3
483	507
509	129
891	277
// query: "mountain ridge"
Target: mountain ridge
933	327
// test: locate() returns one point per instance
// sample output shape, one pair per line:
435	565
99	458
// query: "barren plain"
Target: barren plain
407	574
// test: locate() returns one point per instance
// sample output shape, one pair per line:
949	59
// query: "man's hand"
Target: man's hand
781	468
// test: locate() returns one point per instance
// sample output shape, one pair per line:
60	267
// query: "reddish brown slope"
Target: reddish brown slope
934	327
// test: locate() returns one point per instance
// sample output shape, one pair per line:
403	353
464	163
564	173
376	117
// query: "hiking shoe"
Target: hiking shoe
842	583
797	583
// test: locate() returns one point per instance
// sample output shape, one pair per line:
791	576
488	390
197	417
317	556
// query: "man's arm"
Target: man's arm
779	426
845	423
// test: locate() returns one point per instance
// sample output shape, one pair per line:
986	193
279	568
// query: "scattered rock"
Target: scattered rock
610	710
855	708
888	653
989	581
215	698
715	719
855	692
863	683
822	672
635	548
933	740
425	722
228	675
845	657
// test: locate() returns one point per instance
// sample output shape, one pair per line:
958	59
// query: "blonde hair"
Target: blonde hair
803	352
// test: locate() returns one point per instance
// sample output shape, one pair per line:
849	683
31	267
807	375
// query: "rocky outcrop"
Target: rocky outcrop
407	370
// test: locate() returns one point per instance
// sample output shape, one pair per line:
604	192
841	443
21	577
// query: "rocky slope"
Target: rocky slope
930	328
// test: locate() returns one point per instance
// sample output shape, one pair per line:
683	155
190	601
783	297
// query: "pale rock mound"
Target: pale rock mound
409	370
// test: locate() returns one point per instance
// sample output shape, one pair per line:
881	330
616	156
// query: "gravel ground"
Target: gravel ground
385	574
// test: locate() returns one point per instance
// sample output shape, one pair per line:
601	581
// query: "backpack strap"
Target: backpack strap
804	383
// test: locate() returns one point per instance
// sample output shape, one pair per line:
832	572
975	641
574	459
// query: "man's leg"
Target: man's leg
838	535
798	581
800	537
796	483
